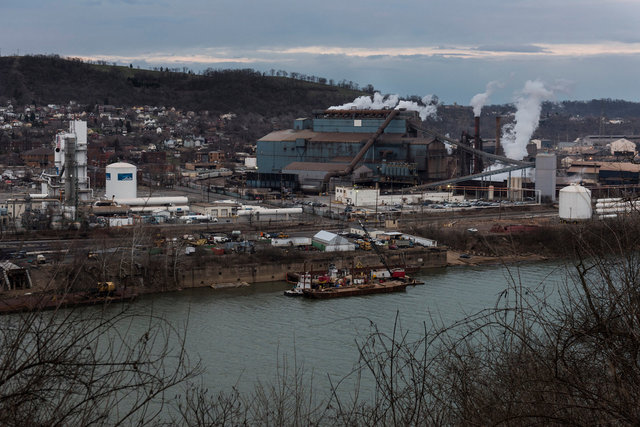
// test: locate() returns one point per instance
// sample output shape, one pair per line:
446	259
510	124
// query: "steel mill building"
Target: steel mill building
351	147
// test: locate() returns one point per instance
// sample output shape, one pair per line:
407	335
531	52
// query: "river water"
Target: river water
243	335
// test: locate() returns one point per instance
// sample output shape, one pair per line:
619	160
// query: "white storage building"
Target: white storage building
331	242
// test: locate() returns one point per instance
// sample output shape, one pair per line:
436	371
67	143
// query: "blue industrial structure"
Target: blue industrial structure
398	155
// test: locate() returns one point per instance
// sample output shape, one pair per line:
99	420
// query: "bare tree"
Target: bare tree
540	356
550	356
97	366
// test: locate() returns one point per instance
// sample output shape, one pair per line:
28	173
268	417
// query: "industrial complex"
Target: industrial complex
361	147
378	160
315	180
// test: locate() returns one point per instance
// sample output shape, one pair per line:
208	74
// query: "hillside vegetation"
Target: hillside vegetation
52	80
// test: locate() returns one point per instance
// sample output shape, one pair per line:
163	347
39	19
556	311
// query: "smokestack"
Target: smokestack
498	131
478	167
477	130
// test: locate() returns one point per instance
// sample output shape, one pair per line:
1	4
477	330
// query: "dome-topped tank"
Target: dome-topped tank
121	181
575	203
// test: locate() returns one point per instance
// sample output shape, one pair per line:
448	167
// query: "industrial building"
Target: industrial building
606	173
371	197
220	209
69	176
353	146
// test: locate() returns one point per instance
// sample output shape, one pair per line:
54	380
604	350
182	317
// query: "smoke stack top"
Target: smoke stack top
428	108
480	100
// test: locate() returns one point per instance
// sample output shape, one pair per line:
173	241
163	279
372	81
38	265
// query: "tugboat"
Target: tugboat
304	282
307	281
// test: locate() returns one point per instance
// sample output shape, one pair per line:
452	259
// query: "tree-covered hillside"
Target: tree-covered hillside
53	80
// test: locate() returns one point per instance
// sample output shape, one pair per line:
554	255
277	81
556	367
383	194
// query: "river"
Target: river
243	335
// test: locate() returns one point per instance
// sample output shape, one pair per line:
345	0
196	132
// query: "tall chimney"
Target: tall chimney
477	129
498	131
478	166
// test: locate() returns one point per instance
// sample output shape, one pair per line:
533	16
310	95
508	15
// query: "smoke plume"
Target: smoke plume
428	108
479	100
516	136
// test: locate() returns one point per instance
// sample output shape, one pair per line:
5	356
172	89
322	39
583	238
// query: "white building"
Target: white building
222	209
371	196
331	242
357	196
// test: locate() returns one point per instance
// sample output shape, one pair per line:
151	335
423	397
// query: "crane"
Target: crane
375	247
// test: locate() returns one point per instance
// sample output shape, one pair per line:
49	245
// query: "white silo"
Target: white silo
574	203
121	181
546	176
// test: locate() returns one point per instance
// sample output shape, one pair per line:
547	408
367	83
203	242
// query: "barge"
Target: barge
356	290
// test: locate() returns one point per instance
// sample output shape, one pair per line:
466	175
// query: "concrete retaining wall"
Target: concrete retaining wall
214	273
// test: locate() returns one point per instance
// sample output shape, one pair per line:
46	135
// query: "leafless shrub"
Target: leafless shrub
538	357
567	356
88	367
289	399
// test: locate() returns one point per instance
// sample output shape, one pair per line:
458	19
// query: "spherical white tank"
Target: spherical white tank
121	181
575	203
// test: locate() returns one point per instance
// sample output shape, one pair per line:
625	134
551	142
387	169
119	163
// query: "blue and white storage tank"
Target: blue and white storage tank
575	203
121	181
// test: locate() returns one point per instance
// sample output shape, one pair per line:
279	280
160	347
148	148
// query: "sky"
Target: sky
453	49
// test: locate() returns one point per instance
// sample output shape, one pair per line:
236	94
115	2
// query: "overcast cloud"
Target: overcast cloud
450	48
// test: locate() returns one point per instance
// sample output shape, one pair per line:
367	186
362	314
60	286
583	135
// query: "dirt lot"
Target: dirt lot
454	258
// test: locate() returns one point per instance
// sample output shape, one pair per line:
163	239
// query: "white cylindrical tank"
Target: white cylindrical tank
607	206
264	211
121	181
154	201
575	203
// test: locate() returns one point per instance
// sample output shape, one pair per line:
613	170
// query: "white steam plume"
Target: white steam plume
378	102
525	173
516	136
479	100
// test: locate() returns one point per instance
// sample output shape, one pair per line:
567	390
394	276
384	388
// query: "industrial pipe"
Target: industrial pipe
351	166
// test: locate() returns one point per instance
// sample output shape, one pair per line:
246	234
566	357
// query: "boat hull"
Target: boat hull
349	291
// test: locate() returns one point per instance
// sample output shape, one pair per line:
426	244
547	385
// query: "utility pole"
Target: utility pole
377	192
329	194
